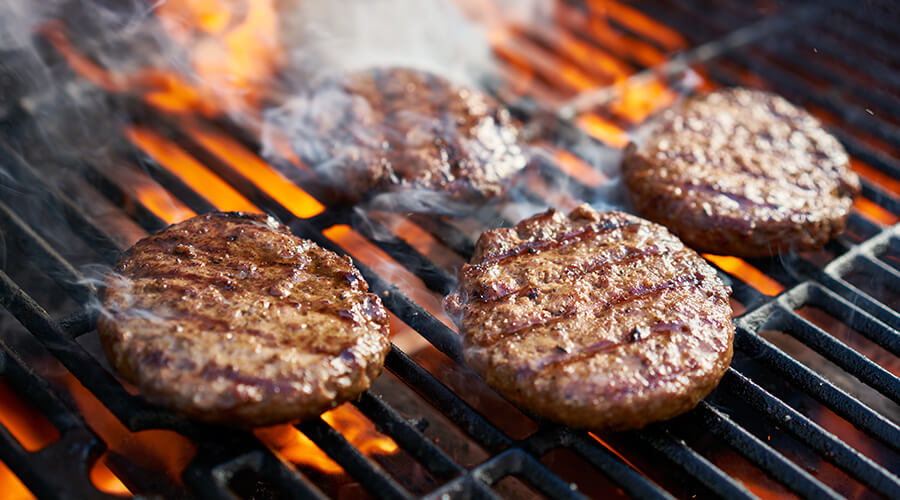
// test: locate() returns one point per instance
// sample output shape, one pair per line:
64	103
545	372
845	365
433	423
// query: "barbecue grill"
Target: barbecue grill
808	408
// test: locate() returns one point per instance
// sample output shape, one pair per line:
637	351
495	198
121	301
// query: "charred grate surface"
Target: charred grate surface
223	456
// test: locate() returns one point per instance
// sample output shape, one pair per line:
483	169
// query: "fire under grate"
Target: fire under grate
854	283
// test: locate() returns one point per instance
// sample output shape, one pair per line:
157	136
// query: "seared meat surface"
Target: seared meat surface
596	320
741	172
403	130
229	318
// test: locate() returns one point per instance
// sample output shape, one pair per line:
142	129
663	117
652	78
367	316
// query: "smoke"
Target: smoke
433	35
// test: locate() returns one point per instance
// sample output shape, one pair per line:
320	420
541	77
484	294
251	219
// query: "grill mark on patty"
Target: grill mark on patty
635	293
584	271
659	328
535	246
740	199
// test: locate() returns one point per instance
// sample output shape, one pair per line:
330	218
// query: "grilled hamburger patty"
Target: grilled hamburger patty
398	129
597	320
229	318
741	172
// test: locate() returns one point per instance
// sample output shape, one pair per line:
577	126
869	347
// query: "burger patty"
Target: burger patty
229	318
741	172
596	320
398	129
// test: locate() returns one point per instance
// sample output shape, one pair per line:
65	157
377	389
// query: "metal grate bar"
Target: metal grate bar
50	261
826	444
788	83
693	463
523	465
56	471
846	311
210	478
408	437
834	47
470	421
822	390
800	57
131	411
837	352
371	476
99	240
762	455
631	481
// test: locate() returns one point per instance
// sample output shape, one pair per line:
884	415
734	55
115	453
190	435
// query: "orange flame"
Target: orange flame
189	170
295	447
603	129
288	194
106	481
234	49
875	212
12	486
232	46
161	450
749	274
29	426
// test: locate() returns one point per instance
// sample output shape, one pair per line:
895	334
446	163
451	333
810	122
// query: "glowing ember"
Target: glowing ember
295	447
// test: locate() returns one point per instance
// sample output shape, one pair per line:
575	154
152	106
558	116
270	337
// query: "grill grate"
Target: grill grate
59	469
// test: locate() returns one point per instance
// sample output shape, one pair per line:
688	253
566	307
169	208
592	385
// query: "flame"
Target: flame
189	170
579	169
232	47
106	481
12	486
747	273
234	50
638	99
597	26
875	212
639	23
162	203
604	130
288	194
295	447
878	177
29	426
161	450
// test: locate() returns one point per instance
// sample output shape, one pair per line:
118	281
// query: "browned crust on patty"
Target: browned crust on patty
229	318
595	320
741	172
401	129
